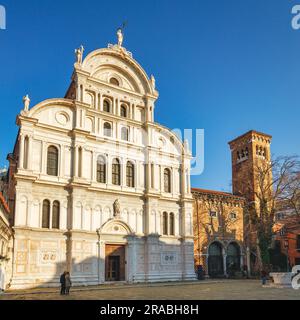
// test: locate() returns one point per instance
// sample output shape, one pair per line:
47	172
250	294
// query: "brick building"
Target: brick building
287	241
225	239
219	232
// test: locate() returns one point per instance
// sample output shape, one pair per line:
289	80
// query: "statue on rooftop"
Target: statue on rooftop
120	37
26	101
79	54
153	81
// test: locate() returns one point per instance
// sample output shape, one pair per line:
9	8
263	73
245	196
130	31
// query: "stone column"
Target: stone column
224	261
183	179
109	171
40	213
69	245
29	153
44	158
101	261
94	166
188	181
21	152
76	169
131	259
51	210
61	168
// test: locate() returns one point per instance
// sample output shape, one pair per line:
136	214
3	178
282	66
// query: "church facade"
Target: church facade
96	186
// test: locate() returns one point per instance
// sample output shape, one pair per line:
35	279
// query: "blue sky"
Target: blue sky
226	66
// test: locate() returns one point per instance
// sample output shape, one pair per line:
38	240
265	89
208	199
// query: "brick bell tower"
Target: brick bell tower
248	151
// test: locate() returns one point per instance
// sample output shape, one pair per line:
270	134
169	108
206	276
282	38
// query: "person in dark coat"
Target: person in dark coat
264	275
68	283
63	283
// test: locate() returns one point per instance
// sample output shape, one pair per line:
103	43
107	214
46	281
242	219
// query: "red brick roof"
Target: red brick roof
251	132
5	205
290	223
226	194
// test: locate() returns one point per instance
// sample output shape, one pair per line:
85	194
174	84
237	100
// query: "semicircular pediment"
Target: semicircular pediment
123	66
106	73
117	227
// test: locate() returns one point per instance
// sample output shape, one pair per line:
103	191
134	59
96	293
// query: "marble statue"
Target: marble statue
79	54
117	209
26	101
120	37
153	81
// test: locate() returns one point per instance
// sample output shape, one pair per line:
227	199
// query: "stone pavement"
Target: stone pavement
200	290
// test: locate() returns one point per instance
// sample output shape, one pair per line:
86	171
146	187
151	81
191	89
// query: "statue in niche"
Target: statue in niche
117	209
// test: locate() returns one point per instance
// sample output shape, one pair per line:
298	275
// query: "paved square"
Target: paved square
206	290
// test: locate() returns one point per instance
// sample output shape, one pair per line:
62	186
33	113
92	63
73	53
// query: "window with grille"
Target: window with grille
123	111
167	181
130	175
55	215
106	105
213	214
107	129
116	172
124	134
165	223
52	161
172	224
46	215
101	170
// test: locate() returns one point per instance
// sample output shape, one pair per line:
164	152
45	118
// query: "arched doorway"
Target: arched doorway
215	260
233	259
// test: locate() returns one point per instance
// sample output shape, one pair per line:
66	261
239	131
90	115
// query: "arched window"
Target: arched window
107	129
167	181
114	81
124	134
101	170
52	161
215	260
46	214
123	111
130	174
106	105
247	152
233	259
55	215
232	216
165	223
116	172
172	224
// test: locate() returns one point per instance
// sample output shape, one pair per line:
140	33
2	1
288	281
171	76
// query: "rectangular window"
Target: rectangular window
298	242
213	214
101	173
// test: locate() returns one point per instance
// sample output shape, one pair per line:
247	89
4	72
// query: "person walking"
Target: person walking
68	283
264	277
63	283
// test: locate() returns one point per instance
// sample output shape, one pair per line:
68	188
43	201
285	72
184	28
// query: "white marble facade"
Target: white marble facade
107	114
